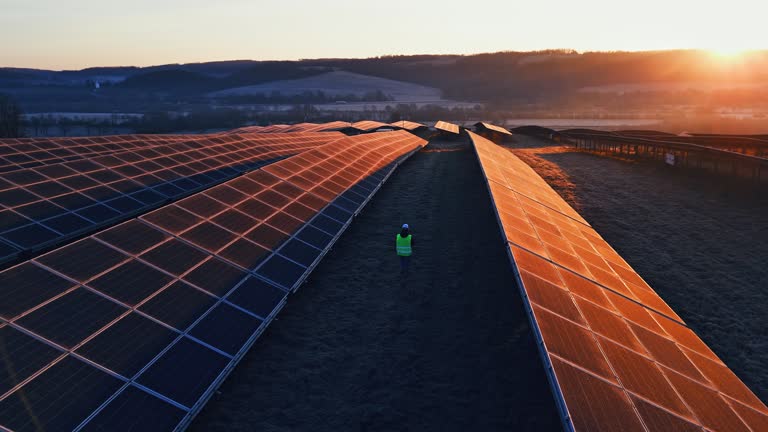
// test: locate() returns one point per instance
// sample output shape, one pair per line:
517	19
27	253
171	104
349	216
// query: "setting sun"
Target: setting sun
728	52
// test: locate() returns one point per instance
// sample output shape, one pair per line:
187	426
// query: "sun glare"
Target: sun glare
728	53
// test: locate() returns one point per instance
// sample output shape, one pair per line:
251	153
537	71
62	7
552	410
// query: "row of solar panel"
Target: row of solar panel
534	217
18	156
620	358
48	204
26	153
284	128
361	126
133	328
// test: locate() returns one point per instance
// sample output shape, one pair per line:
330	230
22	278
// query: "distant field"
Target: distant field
671	87
572	123
341	83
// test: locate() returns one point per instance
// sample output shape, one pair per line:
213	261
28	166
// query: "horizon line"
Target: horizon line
568	51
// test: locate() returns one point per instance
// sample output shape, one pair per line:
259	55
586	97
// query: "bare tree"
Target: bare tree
10	118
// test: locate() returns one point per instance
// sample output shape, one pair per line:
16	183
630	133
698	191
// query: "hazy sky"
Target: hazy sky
69	34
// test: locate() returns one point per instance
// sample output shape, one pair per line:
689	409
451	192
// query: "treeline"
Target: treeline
183	79
10	118
316	97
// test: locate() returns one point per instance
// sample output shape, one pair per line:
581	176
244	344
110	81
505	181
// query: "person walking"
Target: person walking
404	248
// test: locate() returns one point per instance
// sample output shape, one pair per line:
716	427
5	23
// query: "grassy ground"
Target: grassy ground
700	241
357	349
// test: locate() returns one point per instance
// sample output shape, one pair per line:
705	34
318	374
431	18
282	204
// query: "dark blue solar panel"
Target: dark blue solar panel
184	381
32	408
67	223
257	296
226	328
131	282
49	189
330	226
30	236
204	178
101	193
339	213
133	236
7	251
73	201
22	357
24	177
135	410
12	220
365	186
315	237
128	345
179	305
186	184
99	213
300	252
14	197
125	204
168	189
71	318
345	204
215	276
281	271
148	197
26	286
83	260
40	210
354	198
174	256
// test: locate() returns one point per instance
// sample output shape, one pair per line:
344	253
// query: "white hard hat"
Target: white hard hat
405	226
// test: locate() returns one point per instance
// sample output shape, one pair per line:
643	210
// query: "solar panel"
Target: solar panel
618	356
44	206
369	125
447	127
492	127
408	125
149	316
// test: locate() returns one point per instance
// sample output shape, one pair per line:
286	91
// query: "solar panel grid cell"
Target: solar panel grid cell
33	408
609	316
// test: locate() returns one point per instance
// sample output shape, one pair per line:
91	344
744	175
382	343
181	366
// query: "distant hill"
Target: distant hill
340	83
504	79
169	80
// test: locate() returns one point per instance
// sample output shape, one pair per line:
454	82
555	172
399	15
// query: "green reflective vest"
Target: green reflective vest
403	245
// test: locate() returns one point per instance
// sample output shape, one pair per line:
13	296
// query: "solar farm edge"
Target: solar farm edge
194	410
557	394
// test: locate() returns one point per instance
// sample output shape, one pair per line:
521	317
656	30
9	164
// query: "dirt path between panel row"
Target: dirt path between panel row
356	350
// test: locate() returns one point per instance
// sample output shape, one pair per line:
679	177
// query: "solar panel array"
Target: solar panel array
18	153
134	327
618	357
49	203
300	127
447	127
